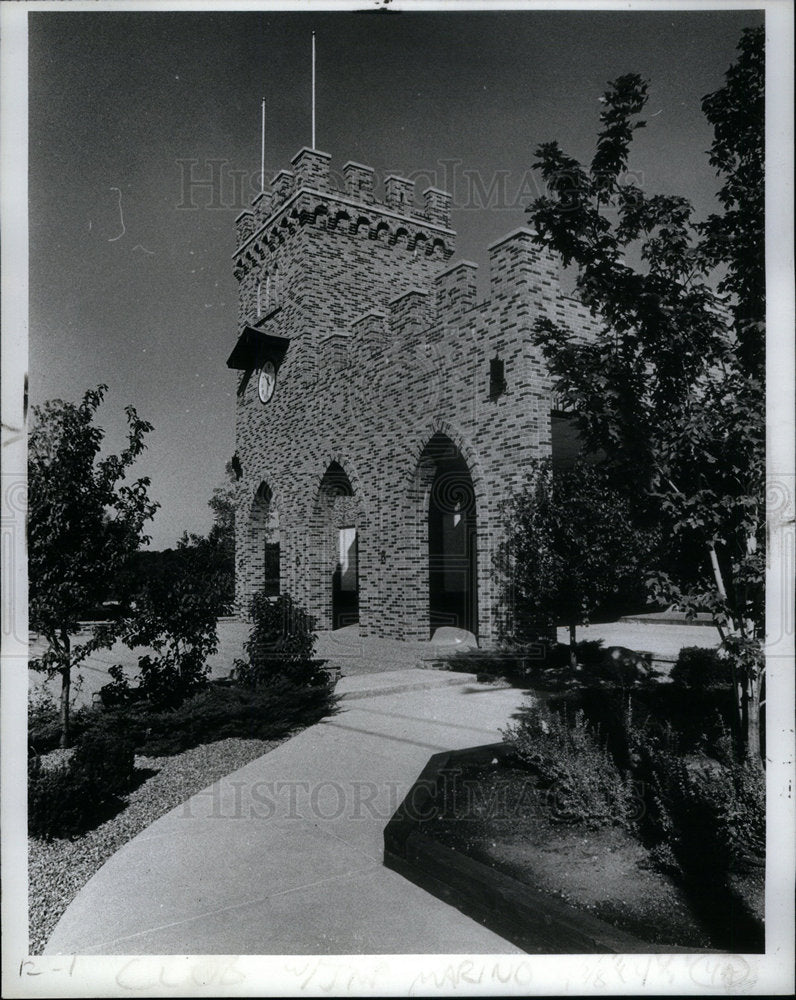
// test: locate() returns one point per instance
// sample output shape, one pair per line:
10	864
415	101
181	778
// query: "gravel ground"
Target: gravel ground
59	869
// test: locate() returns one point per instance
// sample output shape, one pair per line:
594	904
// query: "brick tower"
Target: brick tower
383	412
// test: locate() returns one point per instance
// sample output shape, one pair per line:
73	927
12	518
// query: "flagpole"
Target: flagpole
313	90
262	154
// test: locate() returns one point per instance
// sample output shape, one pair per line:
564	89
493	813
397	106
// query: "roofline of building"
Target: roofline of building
520	231
315	152
458	263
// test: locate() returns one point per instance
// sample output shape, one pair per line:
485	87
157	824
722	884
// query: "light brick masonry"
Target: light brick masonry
393	373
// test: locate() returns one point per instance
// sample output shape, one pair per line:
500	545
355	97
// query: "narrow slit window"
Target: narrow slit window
497	378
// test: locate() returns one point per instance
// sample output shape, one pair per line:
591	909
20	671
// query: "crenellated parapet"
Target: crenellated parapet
438	206
523	279
455	289
245	225
310	169
409	314
308	195
359	182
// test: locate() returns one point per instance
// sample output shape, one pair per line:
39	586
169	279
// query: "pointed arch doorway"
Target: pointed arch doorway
336	534
452	536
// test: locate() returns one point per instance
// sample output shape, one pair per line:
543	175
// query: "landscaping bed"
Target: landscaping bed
477	831
616	797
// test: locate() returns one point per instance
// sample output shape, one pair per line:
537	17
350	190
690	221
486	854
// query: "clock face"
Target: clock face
267	381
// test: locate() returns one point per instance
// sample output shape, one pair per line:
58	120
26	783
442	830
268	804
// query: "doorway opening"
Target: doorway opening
345	580
452	539
338	550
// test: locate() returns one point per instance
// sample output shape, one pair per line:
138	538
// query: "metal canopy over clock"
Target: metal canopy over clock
262	352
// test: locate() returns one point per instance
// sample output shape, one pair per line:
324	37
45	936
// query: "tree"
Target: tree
571	551
175	619
178	596
212	556
222	503
83	526
671	386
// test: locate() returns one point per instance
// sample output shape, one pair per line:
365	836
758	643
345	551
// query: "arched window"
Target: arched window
265	542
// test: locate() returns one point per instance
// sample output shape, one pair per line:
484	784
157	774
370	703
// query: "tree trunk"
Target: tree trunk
753	727
747	689
753	746
66	683
573	656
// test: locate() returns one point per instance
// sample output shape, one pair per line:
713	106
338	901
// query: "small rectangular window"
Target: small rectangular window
271	569
497	378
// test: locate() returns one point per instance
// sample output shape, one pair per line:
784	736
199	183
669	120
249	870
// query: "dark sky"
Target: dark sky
130	287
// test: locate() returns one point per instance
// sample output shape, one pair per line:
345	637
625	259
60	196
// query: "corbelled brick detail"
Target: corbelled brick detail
388	347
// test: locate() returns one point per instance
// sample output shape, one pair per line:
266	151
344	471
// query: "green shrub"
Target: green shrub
280	644
490	664
590	652
164	681
61	802
699	717
44	723
70	798
620	666
106	757
224	710
519	663
175	622
571	760
706	812
167	680
119	691
697	667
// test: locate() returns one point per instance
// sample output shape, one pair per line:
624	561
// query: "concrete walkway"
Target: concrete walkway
285	855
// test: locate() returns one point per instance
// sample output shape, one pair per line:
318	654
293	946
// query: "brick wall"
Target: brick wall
388	347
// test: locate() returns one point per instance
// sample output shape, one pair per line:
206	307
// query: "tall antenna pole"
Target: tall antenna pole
313	90
262	154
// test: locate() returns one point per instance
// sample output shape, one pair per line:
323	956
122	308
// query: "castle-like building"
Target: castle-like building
383	411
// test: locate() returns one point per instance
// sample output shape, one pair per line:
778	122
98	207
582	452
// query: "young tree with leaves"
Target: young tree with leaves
84	524
178	596
671	388
174	620
571	551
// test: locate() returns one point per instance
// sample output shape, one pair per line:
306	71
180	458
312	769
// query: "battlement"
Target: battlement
523	281
311	169
409	315
354	191
455	289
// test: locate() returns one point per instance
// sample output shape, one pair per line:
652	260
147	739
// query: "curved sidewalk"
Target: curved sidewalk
284	855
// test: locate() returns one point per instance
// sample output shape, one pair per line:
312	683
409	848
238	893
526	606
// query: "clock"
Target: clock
267	381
